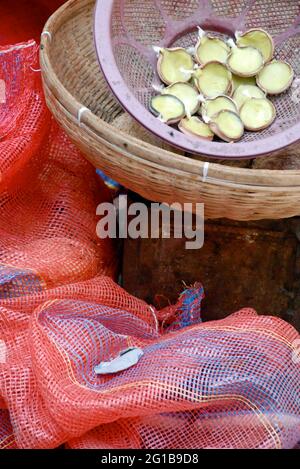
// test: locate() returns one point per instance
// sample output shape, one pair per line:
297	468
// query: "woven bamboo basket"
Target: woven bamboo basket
82	103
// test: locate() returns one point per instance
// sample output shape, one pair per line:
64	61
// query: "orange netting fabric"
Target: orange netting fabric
227	384
233	383
48	199
48	191
7	438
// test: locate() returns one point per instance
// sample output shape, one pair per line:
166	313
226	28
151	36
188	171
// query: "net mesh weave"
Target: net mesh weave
230	383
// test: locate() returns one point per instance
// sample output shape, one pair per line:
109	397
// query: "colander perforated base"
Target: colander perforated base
126	30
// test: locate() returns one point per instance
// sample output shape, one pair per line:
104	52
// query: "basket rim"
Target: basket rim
218	174
238	151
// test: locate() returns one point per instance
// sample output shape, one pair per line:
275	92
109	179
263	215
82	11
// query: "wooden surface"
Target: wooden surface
255	264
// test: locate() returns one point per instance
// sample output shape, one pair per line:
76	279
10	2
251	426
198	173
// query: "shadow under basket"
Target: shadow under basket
81	101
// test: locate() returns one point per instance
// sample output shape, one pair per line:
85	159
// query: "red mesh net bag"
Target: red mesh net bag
48	192
24	19
7	438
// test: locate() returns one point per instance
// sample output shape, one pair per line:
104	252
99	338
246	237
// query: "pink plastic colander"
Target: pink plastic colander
126	30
